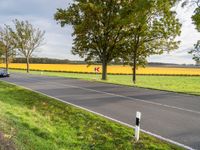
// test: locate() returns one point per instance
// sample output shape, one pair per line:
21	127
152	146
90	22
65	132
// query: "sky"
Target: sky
58	41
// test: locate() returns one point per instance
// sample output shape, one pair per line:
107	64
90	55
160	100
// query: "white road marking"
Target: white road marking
126	97
110	118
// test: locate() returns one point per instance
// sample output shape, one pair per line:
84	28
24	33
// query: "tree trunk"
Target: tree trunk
6	57
27	64
134	67
104	69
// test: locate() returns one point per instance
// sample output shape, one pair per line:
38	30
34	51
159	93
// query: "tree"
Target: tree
196	52
132	30
26	38
153	32
99	29
196	16
1	49
196	21
6	44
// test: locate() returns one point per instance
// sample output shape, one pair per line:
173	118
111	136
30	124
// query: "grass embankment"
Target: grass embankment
183	84
32	121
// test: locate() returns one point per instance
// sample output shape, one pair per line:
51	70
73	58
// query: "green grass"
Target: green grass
183	84
31	121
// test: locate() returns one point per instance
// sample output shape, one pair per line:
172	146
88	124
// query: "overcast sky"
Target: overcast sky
58	41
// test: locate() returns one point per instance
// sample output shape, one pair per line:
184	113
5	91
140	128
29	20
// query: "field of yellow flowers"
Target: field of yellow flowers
112	69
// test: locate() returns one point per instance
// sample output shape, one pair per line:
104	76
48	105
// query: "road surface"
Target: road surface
171	115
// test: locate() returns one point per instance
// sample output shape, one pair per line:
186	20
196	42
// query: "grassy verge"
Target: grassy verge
32	121
183	84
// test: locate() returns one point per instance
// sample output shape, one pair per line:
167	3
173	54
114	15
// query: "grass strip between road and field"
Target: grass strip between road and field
181	84
29	120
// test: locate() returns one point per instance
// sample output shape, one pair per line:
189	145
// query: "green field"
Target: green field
182	84
31	121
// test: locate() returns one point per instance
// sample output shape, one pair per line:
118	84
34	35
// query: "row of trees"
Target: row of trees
121	30
125	31
22	40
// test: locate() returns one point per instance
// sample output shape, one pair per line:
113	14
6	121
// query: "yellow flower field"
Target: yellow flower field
114	69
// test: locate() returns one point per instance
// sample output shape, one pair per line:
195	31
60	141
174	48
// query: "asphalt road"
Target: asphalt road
171	115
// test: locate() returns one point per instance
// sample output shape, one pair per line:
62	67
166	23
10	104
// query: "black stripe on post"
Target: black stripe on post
137	121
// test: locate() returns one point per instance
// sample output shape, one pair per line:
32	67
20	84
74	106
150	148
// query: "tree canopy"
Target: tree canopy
196	21
2	48
196	52
26	38
153	31
6	44
129	30
196	15
99	28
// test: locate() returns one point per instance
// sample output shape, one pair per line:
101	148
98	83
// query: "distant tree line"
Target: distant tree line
41	61
35	60
66	61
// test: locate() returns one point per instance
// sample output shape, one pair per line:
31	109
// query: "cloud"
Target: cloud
58	41
31	7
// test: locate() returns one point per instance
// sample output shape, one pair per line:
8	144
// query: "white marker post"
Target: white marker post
137	127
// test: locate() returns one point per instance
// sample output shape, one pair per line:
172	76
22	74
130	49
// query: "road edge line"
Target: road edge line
110	118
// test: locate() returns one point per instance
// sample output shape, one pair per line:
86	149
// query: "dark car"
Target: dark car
4	73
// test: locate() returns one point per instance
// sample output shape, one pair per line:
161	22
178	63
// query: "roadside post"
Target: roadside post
137	126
